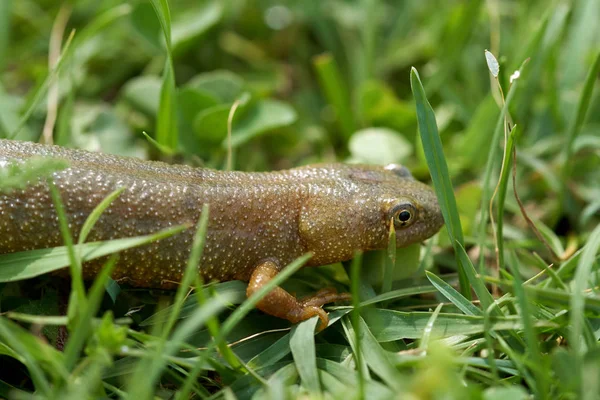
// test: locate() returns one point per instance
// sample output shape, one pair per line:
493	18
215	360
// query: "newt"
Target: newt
258	221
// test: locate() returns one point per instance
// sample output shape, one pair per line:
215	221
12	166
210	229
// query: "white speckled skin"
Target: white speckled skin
330	210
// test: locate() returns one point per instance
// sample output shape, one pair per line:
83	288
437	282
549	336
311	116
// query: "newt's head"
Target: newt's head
354	205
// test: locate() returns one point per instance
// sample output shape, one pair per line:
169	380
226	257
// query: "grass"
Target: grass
453	319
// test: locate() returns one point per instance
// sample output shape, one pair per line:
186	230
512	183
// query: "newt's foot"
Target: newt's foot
325	296
280	303
319	299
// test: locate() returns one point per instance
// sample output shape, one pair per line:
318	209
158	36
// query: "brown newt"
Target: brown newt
258	222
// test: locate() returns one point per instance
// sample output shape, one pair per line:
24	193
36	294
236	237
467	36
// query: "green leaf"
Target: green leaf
210	124
473	143
194	23
380	107
10	108
379	146
223	85
144	21
98	126
502	189
262	117
192	101
144	93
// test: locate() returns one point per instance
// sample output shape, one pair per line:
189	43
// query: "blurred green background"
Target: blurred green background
318	80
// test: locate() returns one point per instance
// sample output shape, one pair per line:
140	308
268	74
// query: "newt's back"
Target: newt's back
330	210
252	215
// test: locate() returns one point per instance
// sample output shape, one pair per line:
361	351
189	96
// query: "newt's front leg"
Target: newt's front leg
281	304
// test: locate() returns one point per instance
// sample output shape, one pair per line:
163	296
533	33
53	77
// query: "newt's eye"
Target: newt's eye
404	214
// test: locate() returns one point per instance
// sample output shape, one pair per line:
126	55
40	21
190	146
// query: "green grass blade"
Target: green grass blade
577	122
373	388
191	270
578	299
302	345
27	347
429	328
486	180
454	296
143	382
502	188
73	43
233	289
551	297
166	120
355	319
214	327
5	12
533	350
41	91
75	267
163	13
479	287
390	325
91	220
81	332
375	357
438	168
398	294
272	354
29	264
20	175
